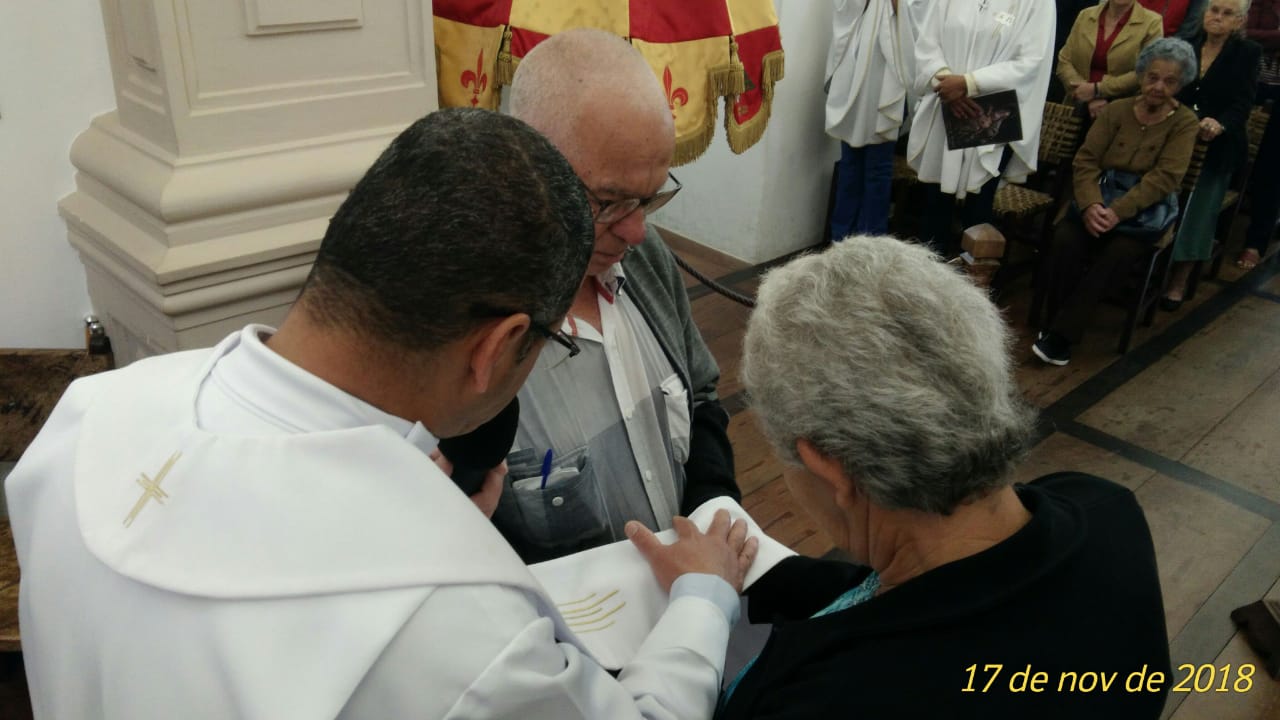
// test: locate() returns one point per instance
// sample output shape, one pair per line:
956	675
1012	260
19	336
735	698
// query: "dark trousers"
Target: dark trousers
1264	184
1082	269
864	182
940	207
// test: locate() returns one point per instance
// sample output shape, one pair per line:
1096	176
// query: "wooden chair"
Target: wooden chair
1155	267
1015	205
1255	128
1152	271
1059	135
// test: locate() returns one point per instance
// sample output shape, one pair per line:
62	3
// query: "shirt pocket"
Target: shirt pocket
566	516
675	398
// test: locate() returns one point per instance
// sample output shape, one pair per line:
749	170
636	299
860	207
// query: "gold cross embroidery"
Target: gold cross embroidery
151	489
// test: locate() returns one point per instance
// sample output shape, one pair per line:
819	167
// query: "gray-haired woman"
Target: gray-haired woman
1222	96
1126	176
882	376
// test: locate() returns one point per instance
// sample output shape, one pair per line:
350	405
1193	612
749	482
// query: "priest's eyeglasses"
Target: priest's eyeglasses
563	348
608	212
568	348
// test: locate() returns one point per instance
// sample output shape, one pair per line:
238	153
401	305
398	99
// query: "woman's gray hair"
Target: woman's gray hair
892	363
1173	50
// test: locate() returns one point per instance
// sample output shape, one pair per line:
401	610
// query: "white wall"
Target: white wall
772	199
54	77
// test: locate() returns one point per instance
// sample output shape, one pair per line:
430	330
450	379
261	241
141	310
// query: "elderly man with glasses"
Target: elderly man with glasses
631	428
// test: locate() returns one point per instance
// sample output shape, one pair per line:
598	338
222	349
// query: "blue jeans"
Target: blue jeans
864	180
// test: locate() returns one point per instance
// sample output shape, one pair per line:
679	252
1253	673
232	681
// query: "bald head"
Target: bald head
584	80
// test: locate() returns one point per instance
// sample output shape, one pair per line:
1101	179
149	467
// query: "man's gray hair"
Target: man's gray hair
1173	50
892	363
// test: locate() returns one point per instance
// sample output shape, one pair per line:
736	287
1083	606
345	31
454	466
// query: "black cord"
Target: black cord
717	287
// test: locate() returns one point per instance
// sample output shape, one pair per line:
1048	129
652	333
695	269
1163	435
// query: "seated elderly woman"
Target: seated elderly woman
1126	178
883	377
1222	96
1097	62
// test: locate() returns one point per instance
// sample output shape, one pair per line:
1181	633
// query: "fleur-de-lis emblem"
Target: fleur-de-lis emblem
675	98
477	81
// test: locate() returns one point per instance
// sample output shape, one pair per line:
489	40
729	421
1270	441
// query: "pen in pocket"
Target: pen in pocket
546	469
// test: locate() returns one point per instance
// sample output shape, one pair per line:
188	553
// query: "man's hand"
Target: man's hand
724	550
1083	91
964	108
490	491
952	88
1099	219
1095	107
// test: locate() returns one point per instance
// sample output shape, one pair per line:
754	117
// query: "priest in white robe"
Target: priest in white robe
869	69
969	48
258	530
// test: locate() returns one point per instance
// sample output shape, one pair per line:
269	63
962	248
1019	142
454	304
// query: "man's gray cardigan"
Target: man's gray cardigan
655	284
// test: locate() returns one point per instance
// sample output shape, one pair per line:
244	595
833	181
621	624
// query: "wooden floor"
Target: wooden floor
1189	419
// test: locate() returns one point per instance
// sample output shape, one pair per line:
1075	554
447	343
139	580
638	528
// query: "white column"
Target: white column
239	127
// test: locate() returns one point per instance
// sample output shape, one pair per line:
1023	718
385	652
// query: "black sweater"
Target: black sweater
1225	93
1075	590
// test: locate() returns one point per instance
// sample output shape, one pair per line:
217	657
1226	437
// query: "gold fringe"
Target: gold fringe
742	137
772	69
728	79
506	66
691	146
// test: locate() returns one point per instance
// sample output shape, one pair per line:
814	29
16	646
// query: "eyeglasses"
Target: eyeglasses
564	346
567	347
608	212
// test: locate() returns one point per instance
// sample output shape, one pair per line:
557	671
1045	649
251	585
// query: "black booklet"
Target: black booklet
998	123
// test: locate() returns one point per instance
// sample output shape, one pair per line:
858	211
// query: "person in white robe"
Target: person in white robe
969	48
259	530
869	69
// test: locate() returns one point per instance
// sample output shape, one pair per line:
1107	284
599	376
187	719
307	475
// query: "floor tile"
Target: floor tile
1175	403
1243	448
1261	699
1198	538
1061	452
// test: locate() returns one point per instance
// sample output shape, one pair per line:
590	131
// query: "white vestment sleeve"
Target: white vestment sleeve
676	673
486	652
929	59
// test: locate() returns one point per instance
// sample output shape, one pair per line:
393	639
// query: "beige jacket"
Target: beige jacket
1120	80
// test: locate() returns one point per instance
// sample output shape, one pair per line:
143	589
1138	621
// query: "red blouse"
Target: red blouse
1098	66
1173	12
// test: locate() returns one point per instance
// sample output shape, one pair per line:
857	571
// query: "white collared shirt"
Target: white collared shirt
621	403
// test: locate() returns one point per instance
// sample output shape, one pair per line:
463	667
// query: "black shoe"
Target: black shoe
1168	304
1052	348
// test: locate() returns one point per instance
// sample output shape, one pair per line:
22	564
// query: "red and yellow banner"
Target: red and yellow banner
700	53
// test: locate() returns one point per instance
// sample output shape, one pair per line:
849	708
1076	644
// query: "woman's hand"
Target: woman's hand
1210	129
724	550
1083	92
1095	107
1099	219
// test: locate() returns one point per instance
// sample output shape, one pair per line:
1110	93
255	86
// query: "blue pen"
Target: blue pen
546	469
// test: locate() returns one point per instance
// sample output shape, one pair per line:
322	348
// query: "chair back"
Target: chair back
1195	166
1256	127
1059	133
